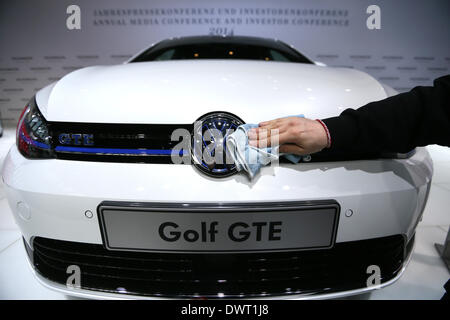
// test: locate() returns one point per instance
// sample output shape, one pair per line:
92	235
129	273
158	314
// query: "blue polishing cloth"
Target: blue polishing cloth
249	158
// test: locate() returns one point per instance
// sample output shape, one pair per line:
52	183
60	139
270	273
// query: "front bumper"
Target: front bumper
51	198
295	275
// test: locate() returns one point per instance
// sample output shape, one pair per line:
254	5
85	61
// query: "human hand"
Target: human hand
295	135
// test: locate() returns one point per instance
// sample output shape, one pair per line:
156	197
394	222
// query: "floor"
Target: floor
423	279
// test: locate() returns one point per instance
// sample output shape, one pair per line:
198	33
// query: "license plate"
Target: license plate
194	227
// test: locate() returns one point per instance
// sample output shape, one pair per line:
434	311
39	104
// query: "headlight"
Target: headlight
32	136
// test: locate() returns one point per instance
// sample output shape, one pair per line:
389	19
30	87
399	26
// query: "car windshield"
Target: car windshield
268	50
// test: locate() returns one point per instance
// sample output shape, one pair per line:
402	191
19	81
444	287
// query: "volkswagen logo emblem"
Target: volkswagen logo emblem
209	152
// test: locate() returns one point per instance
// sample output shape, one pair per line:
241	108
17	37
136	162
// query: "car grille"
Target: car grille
117	142
344	267
151	143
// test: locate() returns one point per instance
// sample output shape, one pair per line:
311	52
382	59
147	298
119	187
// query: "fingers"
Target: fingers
281	124
266	132
294	135
257	133
252	134
259	137
265	123
268	123
275	132
272	140
278	122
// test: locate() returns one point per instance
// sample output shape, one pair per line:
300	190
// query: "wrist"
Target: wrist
327	133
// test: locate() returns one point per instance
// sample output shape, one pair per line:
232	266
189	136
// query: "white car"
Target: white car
105	212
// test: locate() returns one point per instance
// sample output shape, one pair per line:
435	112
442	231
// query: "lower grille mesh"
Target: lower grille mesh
220	275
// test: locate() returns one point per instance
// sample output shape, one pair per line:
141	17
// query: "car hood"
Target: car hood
182	91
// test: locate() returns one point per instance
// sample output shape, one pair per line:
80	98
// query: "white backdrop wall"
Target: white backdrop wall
36	48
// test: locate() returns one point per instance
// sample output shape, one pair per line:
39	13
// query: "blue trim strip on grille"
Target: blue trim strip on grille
117	151
34	142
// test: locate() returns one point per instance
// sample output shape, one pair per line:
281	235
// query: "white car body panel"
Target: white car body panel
387	197
254	90
49	197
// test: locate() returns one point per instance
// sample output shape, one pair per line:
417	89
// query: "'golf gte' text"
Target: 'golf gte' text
237	231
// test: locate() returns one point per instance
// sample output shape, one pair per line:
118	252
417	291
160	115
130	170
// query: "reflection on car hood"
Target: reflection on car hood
181	91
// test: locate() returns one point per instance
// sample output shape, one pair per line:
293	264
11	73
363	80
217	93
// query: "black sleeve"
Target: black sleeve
396	124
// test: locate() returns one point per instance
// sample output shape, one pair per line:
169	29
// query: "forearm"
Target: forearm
400	123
